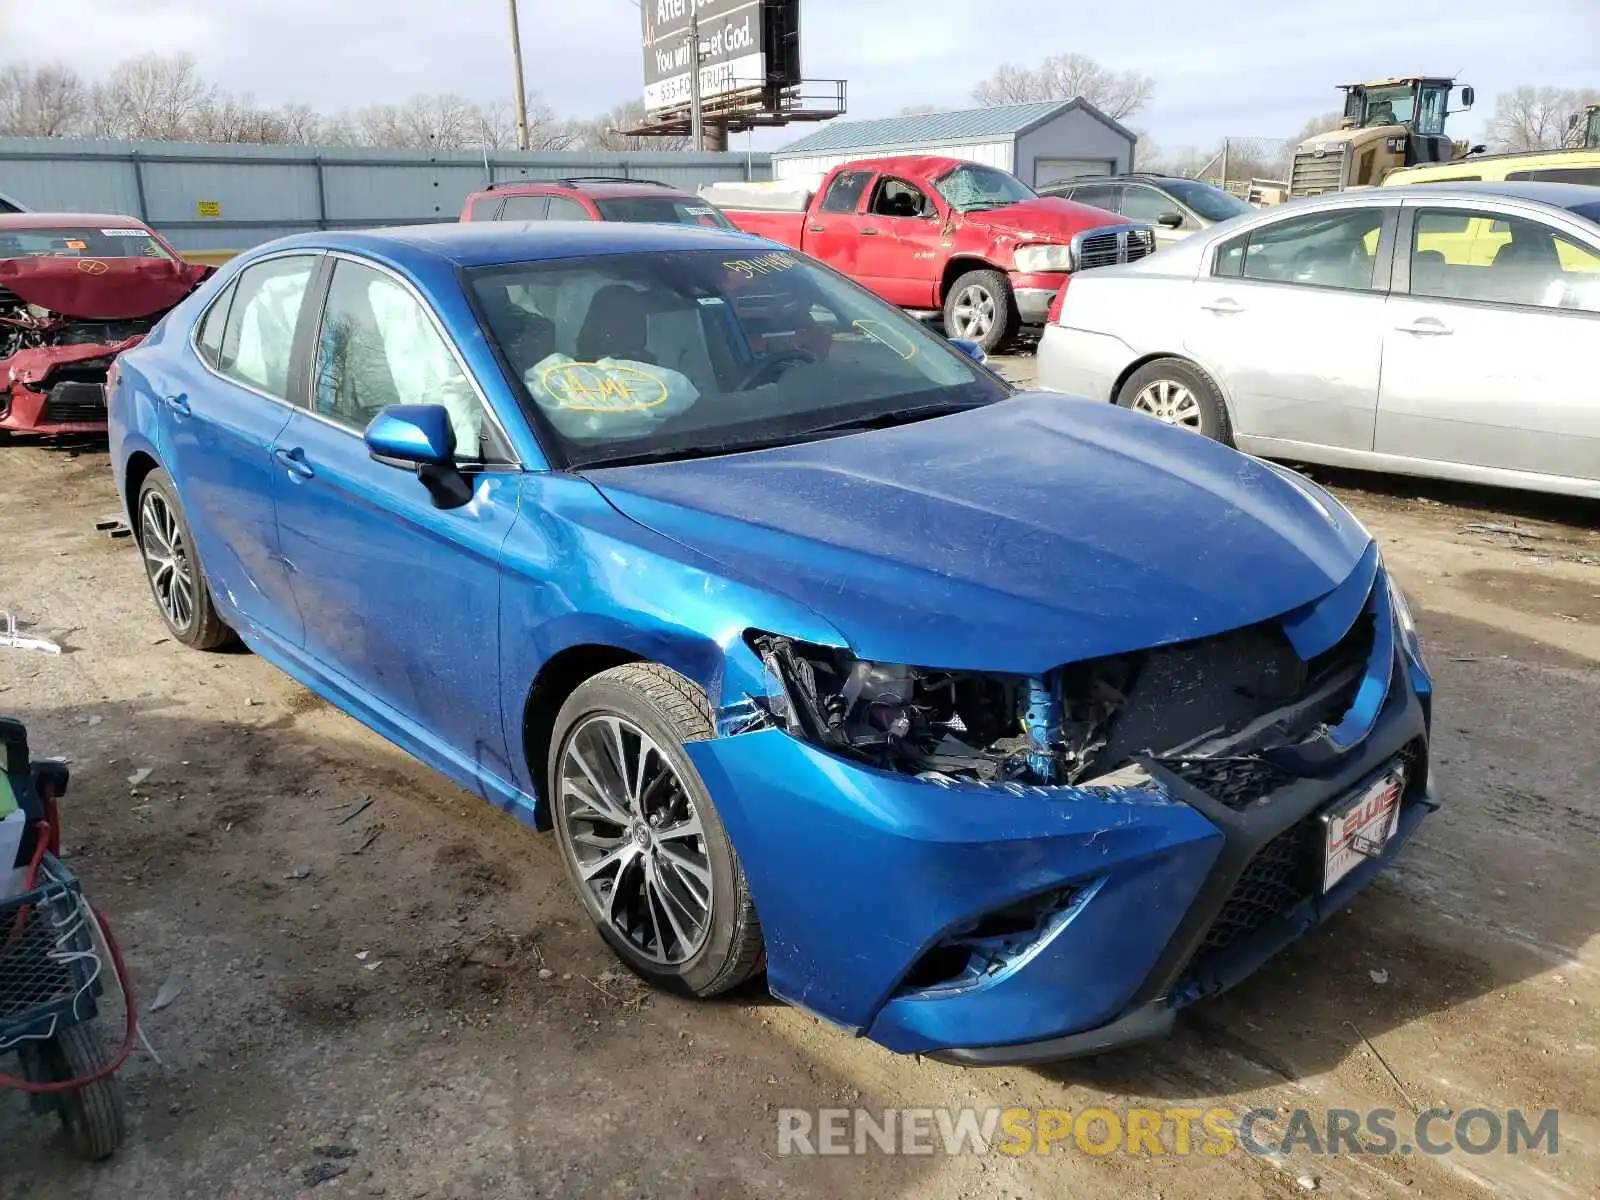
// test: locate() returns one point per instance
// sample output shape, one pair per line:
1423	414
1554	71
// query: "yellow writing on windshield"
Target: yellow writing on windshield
767	264
603	388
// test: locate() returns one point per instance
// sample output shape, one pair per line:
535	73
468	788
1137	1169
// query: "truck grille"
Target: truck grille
1313	175
1106	247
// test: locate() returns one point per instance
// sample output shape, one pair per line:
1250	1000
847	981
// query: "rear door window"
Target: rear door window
258	339
525	208
1588	175
1105	196
1325	249
844	193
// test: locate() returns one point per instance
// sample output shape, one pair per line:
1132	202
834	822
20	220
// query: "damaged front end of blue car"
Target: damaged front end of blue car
999	868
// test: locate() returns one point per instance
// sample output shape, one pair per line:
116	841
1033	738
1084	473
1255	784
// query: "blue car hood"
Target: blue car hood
1016	537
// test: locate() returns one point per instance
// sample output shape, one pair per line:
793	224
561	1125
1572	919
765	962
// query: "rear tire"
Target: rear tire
981	308
1178	393
173	567
642	842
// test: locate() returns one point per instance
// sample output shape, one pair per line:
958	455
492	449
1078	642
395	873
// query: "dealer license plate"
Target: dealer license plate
1360	828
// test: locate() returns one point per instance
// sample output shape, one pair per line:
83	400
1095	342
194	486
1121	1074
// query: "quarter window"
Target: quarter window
483	208
1506	260
212	327
378	347
258	338
844	193
1326	249
1098	195
562	209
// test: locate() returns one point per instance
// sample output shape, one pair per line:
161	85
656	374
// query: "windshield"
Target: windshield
662	210
1212	203
1390	105
972	188
80	243
667	355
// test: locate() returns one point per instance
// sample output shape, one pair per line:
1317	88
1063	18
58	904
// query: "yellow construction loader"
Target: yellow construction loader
1387	124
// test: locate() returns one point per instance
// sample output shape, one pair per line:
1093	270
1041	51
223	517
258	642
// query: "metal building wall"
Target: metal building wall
996	153
262	192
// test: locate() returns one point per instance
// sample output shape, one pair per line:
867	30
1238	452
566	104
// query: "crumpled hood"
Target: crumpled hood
102	289
1034	532
1044	217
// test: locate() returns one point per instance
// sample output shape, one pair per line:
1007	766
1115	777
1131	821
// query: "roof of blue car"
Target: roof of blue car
486	243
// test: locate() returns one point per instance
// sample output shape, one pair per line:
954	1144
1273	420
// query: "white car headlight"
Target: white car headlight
1032	260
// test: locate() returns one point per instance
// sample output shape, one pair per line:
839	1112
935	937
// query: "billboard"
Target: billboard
732	35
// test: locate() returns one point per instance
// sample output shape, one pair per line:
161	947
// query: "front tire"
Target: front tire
172	566
981	308
642	842
1178	393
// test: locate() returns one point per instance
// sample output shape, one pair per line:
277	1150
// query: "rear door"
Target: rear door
1489	342
400	599
220	427
901	254
1290	316
833	227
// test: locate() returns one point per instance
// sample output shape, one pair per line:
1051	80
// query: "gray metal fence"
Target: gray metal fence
229	197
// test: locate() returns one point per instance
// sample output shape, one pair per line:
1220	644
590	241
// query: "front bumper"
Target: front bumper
1034	293
63	409
861	876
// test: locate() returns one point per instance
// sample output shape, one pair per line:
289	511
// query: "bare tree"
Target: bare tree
920	110
1535	118
605	132
152	96
48	101
1118	94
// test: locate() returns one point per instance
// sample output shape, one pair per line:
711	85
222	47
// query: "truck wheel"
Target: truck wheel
1178	393
980	307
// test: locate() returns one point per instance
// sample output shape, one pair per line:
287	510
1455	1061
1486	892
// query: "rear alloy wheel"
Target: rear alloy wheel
173	568
981	308
1177	393
640	837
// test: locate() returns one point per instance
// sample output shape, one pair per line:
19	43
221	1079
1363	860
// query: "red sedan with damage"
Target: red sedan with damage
76	289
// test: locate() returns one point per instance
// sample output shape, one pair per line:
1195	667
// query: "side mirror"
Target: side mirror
971	349
412	435
1468	96
419	437
1170	220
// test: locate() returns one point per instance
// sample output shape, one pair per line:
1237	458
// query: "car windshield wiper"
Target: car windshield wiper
894	416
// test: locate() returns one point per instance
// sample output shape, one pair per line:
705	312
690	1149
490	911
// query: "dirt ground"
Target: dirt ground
412	981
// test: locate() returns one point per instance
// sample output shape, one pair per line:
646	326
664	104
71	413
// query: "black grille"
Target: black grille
1281	875
75	402
1235	782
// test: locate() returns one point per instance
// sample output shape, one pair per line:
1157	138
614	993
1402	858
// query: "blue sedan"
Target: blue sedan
988	725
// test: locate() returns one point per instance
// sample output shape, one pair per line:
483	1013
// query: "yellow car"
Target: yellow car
1479	239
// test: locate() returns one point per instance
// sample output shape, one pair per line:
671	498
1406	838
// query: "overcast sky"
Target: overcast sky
1259	71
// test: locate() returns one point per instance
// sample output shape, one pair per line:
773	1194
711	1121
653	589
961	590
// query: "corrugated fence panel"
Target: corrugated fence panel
230	197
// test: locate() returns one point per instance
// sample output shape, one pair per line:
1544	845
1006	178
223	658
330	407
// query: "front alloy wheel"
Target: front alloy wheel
640	837
637	839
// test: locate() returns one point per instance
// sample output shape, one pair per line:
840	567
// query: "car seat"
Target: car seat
616	326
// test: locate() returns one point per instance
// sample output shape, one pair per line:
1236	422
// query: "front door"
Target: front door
1290	317
400	599
900	256
223	415
1489	346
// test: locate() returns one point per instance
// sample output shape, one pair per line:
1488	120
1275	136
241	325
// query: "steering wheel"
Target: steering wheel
769	368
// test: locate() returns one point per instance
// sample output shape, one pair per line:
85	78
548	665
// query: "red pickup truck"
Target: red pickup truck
934	234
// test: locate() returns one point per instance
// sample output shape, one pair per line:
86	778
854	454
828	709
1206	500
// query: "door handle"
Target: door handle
816	228
294	461
178	403
1426	327
869	233
1223	306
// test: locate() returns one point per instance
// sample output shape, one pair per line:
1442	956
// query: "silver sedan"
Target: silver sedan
1441	329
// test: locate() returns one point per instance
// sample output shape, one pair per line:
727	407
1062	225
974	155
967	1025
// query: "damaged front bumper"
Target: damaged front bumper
57	390
1013	920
